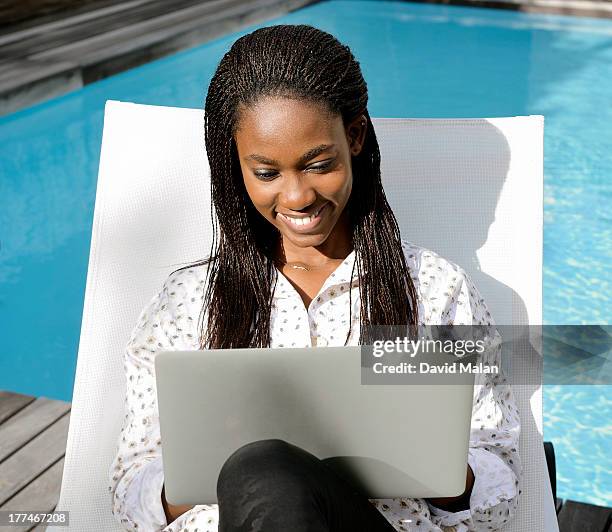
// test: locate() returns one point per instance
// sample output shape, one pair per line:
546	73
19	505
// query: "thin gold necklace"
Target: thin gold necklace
296	265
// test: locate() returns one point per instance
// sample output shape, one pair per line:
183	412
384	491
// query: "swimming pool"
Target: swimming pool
440	61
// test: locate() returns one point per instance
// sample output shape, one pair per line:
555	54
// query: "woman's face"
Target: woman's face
295	158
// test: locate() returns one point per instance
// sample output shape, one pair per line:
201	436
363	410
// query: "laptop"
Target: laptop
389	440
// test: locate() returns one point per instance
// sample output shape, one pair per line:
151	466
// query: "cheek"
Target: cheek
340	185
261	196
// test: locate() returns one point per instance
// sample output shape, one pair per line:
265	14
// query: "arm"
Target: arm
136	481
459	503
495	427
137	472
173	511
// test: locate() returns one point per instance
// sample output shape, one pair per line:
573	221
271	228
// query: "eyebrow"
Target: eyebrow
310	154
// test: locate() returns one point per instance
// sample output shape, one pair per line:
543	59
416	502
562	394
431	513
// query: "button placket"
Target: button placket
301	330
314	306
294	321
313	321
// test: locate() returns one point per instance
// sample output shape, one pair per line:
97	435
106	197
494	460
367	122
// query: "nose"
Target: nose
298	193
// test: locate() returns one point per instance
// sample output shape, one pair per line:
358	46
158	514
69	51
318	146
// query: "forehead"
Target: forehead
281	126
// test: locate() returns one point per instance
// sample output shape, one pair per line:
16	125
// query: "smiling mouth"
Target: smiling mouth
304	223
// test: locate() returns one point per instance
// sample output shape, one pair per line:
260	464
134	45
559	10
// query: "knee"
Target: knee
261	448
255	455
260	463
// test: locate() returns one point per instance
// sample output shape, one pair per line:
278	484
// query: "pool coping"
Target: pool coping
574	8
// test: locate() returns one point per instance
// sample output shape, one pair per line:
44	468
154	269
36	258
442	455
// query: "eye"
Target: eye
321	166
265	175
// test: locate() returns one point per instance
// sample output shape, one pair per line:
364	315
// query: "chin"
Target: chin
305	241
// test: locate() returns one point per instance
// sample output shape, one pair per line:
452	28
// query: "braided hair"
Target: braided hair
297	61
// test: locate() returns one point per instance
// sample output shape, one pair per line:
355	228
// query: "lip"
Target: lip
305	227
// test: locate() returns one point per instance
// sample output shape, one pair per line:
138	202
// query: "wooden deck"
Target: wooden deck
580	517
43	60
33	435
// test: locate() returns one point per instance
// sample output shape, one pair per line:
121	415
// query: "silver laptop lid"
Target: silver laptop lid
391	440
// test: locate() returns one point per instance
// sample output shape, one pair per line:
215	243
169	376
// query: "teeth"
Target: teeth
302	221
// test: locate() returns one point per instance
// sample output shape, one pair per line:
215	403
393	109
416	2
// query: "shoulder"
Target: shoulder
428	265
185	283
183	291
171	318
445	291
175	309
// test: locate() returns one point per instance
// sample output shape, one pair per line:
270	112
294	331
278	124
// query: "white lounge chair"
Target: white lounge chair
470	189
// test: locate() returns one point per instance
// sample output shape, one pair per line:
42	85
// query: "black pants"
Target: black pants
274	486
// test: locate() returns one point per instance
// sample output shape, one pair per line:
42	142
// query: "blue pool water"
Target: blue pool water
439	61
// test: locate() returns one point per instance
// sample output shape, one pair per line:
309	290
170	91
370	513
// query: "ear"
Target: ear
355	134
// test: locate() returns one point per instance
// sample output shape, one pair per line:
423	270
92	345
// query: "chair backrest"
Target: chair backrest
470	189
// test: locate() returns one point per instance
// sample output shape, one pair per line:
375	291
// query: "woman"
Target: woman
308	253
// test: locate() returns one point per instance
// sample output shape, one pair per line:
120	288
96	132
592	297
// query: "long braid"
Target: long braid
303	62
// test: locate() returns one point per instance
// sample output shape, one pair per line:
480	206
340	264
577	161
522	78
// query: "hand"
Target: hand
173	511
461	502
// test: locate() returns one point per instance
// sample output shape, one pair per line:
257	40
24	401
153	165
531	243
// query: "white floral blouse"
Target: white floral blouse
446	296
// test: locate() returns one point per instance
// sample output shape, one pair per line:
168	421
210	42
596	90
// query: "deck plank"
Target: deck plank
28	423
558	505
73	16
22	467
576	516
14	74
47	39
127	38
41	495
11	403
